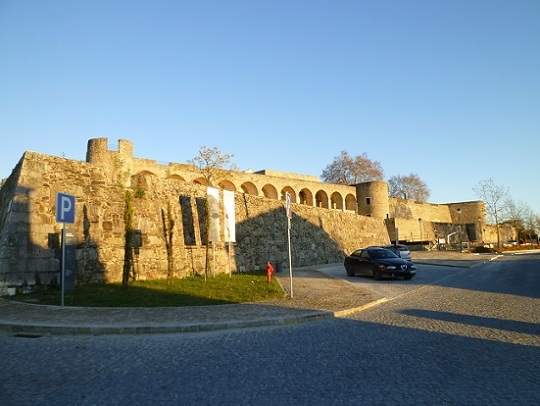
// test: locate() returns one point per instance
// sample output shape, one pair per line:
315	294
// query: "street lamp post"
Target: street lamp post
421	242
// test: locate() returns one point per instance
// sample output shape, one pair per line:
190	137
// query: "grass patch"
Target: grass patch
191	291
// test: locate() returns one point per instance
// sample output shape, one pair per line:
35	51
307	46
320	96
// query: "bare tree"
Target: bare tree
535	223
514	214
409	187
210	164
530	223
526	221
494	198
347	170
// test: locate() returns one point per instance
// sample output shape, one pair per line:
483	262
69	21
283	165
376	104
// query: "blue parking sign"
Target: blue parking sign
65	208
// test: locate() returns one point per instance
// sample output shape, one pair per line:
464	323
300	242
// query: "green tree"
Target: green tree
347	170
409	187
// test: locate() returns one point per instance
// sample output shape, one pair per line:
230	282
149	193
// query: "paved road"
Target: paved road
426	275
452	336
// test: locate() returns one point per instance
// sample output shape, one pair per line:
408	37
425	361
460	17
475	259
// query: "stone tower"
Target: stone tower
117	165
372	198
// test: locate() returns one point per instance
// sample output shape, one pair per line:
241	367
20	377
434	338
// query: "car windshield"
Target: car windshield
378	254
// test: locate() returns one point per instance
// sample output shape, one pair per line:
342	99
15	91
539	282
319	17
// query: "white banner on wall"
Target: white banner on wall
213	211
230	218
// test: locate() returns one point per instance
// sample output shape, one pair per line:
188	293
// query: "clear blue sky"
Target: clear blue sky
448	90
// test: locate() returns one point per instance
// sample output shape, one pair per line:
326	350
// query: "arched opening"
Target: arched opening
177	178
270	191
290	190
321	199
350	202
150	173
306	197
337	201
200	181
227	185
250	189
144	180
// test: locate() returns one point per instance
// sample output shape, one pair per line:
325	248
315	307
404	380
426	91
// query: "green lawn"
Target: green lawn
191	291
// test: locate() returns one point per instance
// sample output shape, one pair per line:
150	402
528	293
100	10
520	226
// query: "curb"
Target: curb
343	313
66	329
59	329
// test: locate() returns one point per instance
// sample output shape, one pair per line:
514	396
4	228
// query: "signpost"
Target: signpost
289	217
65	213
65	208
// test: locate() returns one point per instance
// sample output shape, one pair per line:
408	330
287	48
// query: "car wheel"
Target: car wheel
377	275
349	271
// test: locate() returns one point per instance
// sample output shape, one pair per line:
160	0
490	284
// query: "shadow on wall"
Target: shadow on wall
25	264
90	269
264	238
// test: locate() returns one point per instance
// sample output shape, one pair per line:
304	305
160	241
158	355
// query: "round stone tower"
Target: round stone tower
372	198
96	150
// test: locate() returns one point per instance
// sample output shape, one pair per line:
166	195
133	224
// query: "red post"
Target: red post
269	272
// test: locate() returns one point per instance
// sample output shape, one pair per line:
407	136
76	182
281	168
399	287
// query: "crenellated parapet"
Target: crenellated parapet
122	168
117	165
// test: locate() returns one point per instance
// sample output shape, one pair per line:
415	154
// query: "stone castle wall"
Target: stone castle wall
30	235
120	166
455	222
329	221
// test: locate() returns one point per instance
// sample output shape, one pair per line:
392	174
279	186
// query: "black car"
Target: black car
378	262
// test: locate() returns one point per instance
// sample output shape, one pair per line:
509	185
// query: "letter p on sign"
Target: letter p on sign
65	208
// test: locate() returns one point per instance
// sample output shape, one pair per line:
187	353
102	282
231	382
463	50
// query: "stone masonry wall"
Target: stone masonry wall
325	223
29	236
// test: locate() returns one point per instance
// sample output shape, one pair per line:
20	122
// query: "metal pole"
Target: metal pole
63	276
421	242
213	260
230	273
290	257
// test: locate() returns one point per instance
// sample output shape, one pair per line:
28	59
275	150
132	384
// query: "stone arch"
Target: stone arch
250	189
336	201
270	191
146	173
290	190
176	178
321	199
350	202
227	185
200	181
144	180
306	197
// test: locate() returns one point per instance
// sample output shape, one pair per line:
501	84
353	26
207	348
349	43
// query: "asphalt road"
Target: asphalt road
449	336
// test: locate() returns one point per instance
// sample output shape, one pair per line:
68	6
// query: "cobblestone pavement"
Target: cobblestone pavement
471	339
316	295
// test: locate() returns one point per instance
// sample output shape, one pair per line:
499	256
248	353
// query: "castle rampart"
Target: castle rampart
121	166
329	220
